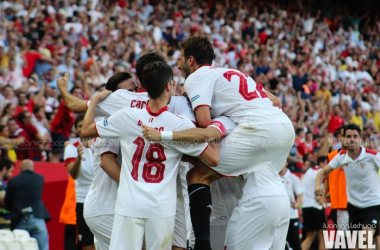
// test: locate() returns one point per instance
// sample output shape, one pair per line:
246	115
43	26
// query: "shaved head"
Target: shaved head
27	165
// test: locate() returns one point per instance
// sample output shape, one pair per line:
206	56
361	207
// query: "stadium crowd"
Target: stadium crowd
323	64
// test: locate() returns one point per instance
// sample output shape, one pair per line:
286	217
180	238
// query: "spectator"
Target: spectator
23	104
324	93
6	171
14	78
357	119
18	137
35	139
8	151
24	200
336	120
9	111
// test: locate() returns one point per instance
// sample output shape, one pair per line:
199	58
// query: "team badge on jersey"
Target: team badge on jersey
362	165
105	122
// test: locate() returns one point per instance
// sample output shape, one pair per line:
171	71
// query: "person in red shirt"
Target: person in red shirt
336	121
61	126
23	104
30	60
300	142
35	139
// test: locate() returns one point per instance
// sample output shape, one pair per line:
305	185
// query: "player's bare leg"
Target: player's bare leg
377	242
321	241
310	236
199	179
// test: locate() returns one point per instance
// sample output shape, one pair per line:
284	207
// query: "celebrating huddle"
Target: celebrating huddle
242	133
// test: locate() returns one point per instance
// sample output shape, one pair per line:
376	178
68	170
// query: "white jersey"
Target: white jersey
147	187
101	197
308	181
233	94
363	182
293	187
83	182
123	98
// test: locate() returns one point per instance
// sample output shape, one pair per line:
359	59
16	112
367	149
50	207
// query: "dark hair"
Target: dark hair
117	78
199	47
22	116
155	77
351	127
36	109
299	130
79	118
2	128
339	130
6	109
21	92
11	119
6	163
321	159
73	88
143	61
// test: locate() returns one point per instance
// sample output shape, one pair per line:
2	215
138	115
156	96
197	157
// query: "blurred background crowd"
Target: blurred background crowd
321	58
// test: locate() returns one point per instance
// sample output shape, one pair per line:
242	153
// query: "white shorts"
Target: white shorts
249	147
217	236
182	227
225	195
342	219
101	227
259	223
128	233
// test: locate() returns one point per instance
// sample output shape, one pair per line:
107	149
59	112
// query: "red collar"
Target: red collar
141	90
158	113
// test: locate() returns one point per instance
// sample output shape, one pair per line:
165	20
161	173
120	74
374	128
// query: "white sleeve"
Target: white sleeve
336	162
298	187
184	109
200	90
70	154
110	145
113	126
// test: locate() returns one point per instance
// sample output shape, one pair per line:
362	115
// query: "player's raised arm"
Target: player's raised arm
72	102
89	127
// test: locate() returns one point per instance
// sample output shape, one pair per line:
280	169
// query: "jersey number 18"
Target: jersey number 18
151	161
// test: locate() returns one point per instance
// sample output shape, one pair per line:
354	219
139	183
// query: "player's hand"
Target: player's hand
151	134
319	192
101	96
63	82
295	205
80	150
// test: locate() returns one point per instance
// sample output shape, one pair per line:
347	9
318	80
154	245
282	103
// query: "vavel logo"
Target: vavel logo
348	239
